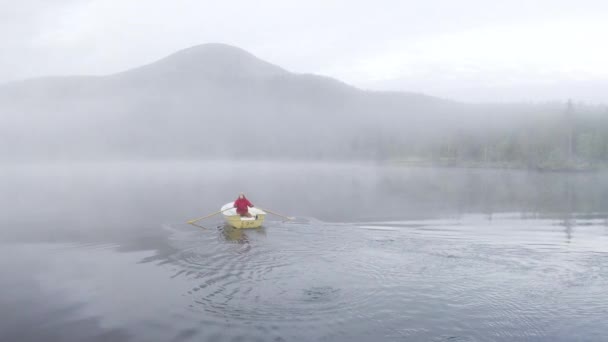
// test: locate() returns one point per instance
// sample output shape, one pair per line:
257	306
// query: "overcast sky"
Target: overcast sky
472	50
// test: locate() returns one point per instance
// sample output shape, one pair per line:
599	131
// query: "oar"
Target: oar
198	225
204	217
283	216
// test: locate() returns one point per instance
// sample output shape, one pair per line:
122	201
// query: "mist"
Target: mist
335	171
215	101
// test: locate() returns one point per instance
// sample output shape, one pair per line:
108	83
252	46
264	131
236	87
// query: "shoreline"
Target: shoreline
497	166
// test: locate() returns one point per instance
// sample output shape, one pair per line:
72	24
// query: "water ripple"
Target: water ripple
436	281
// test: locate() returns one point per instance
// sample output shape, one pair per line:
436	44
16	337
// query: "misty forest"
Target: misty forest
194	104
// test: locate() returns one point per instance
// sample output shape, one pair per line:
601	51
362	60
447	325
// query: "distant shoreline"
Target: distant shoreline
411	163
578	168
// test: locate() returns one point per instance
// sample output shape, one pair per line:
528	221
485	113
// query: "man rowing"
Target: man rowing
242	205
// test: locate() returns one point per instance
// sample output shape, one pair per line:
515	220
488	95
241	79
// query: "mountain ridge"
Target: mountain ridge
209	60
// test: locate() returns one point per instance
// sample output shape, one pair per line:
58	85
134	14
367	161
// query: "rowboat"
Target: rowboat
237	221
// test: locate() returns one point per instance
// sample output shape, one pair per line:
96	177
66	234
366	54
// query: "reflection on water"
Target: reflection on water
375	253
135	194
240	235
465	278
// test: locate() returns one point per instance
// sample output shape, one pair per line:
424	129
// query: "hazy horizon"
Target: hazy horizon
470	51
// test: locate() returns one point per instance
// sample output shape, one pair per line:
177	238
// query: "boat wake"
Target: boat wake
403	279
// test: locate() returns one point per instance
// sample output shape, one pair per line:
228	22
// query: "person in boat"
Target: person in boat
242	205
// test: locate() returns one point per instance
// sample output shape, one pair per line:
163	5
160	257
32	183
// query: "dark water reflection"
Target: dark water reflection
100	252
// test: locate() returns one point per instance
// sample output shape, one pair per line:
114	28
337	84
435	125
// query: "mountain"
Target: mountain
210	100
218	101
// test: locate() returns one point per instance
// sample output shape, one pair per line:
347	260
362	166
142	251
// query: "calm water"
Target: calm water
99	252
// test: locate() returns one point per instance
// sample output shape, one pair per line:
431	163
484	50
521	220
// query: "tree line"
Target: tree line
574	137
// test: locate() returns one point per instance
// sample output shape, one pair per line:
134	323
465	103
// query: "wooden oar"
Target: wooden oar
283	216
204	217
197	225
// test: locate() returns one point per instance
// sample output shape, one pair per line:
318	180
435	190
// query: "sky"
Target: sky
468	50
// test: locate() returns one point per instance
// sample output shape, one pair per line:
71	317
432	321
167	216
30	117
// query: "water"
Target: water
99	251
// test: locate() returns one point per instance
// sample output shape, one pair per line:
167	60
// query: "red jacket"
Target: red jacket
241	205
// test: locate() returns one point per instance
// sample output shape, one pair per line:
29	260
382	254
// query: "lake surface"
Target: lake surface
100	252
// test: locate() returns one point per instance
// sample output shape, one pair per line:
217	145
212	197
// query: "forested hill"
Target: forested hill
218	101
